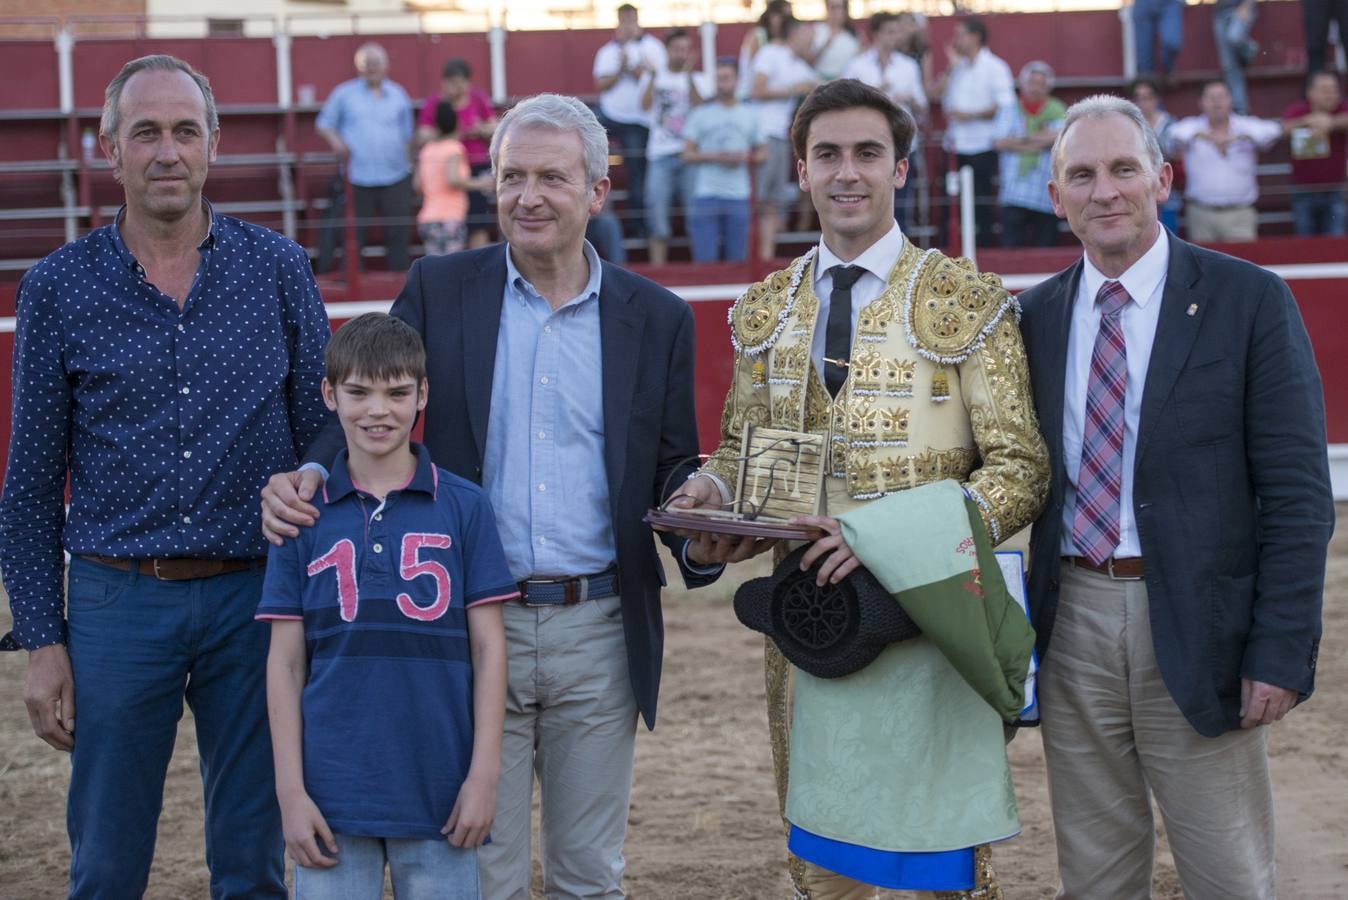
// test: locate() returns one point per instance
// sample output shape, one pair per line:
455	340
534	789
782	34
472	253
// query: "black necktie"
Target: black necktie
838	334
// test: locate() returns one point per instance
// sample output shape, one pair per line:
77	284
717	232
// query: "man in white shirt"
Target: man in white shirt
668	95
1220	150
975	86
898	75
618	68
781	76
1177	571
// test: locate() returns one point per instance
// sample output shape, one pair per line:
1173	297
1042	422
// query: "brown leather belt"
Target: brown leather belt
180	569
1128	568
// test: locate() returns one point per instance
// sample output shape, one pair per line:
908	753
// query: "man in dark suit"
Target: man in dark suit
565	387
1177	571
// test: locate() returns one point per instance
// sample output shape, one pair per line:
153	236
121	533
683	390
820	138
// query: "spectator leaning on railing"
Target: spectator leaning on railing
1219	151
1025	133
973	88
1318	127
368	123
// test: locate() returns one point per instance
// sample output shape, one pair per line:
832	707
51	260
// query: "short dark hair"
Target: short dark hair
446	118
674	34
376	346
1321	73
1145	81
848	93
879	20
456	68
627	8
780	8
789	25
976	27
729	62
1213	82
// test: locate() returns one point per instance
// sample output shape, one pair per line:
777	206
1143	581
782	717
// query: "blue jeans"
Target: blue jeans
1235	52
1318	212
719	228
139	647
666	178
1154	19
419	870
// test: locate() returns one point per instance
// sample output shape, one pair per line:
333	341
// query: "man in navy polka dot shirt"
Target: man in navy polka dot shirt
167	363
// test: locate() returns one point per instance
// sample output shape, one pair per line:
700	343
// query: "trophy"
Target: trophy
781	474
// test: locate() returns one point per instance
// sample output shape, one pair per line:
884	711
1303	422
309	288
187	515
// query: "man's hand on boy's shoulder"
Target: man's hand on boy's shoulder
286	506
471	819
304	826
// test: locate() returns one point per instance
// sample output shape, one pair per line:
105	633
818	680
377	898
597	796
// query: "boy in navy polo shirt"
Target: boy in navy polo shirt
386	677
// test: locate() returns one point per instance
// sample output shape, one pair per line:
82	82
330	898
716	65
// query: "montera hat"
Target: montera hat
827	631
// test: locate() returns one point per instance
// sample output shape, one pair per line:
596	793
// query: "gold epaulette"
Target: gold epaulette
953	307
759	315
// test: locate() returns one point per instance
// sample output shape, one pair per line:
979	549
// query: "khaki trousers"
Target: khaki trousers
1207	225
1113	737
571	721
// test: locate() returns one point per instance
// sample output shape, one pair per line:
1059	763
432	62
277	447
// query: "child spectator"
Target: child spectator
387	670
445	177
477	123
722	139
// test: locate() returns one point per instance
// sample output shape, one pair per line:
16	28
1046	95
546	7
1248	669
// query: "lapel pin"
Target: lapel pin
1193	308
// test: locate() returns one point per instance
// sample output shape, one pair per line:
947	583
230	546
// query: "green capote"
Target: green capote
905	754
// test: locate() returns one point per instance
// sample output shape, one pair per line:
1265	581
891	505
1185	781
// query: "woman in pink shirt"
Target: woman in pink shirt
477	123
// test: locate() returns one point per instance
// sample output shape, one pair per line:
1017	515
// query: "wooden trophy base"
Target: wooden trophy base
731	523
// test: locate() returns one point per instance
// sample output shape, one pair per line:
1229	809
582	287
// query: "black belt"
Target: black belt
566	591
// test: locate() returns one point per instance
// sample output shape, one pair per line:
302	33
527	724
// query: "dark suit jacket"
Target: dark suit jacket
646	336
1231	485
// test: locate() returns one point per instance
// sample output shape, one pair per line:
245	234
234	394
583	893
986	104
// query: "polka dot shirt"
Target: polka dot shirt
167	421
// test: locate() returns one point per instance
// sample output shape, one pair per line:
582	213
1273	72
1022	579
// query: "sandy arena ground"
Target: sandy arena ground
704	822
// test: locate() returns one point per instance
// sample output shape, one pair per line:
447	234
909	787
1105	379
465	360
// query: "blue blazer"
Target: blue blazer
1231	489
650	440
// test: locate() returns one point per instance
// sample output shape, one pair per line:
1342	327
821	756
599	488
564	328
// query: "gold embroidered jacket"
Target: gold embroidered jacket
937	387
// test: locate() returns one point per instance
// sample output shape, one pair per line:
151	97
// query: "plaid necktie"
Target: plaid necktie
1095	527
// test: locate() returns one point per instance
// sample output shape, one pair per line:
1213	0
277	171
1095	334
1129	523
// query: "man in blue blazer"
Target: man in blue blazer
564	386
1177	571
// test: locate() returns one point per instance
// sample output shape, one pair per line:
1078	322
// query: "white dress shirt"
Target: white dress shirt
877	260
1216	178
1145	282
898	76
976	85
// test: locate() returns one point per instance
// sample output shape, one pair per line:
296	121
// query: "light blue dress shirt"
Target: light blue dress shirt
376	128
544	462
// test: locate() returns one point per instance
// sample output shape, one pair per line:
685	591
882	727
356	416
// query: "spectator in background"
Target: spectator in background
445	178
668	95
974	87
721	139
1315	16
1025	133
368	123
835	43
1146	93
477	122
1219	151
1231	24
1155	20
898	75
781	77
618	68
768	27
1318	128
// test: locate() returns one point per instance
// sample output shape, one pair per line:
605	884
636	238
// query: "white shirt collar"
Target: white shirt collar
1140	279
877	259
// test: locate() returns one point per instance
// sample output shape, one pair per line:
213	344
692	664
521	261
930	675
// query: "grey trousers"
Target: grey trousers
1113	738
571	722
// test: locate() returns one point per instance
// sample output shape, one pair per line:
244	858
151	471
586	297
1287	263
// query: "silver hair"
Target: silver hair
560	113
159	62
1040	67
1098	107
372	47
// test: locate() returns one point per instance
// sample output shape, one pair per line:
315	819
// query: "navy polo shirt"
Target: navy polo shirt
383	590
